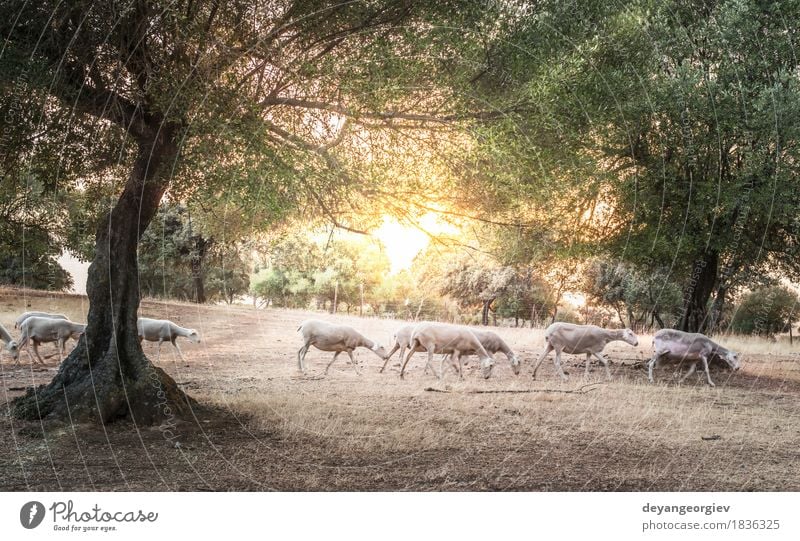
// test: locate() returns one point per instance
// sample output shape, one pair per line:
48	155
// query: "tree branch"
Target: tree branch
389	115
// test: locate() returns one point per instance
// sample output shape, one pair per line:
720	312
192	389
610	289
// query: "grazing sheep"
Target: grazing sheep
678	345
11	345
492	343
447	339
21	319
161	330
332	337
577	339
402	338
38	330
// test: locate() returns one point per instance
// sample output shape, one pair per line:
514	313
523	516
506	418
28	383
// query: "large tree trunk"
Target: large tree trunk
485	312
196	262
716	309
107	376
657	317
697	292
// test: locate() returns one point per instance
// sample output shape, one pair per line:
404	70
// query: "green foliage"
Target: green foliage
177	260
766	311
640	298
509	291
298	270
29	258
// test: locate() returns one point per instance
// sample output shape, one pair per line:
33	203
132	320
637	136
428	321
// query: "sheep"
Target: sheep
327	336
161	330
588	339
37	330
21	319
492	343
402	338
679	345
452	339
11	345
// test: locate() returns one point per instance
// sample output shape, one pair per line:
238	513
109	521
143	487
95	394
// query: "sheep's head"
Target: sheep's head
193	336
733	360
379	350
516	365
630	337
13	349
486	367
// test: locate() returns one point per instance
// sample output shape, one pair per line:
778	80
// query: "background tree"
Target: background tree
684	151
766	311
641	299
178	259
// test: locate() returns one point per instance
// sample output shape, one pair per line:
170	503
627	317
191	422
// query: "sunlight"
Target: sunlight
576	300
403	242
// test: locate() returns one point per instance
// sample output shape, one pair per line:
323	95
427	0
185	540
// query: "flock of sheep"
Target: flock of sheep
40	327
455	342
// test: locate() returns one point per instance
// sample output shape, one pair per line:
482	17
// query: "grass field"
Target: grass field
270	428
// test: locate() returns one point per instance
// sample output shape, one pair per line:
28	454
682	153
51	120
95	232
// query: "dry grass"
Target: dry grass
275	429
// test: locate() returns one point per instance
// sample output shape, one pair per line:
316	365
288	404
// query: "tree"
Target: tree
474	282
178	259
766	311
223	96
32	263
666	132
635	295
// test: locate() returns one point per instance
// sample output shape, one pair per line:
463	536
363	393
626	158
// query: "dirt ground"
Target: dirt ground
267	427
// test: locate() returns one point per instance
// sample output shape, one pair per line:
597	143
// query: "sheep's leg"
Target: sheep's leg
158	355
651	365
36	351
332	361
547	349
588	360
180	353
403	368
28	349
441	364
460	365
708	374
352	360
605	364
558	365
60	343
691	371
301	356
429	365
385	361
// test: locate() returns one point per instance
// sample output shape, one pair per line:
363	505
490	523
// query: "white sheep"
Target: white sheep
332	337
38	330
447	339
21	319
678	345
577	339
11	345
402	338
493	344
164	330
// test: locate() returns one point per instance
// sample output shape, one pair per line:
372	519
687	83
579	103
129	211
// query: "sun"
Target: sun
404	242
